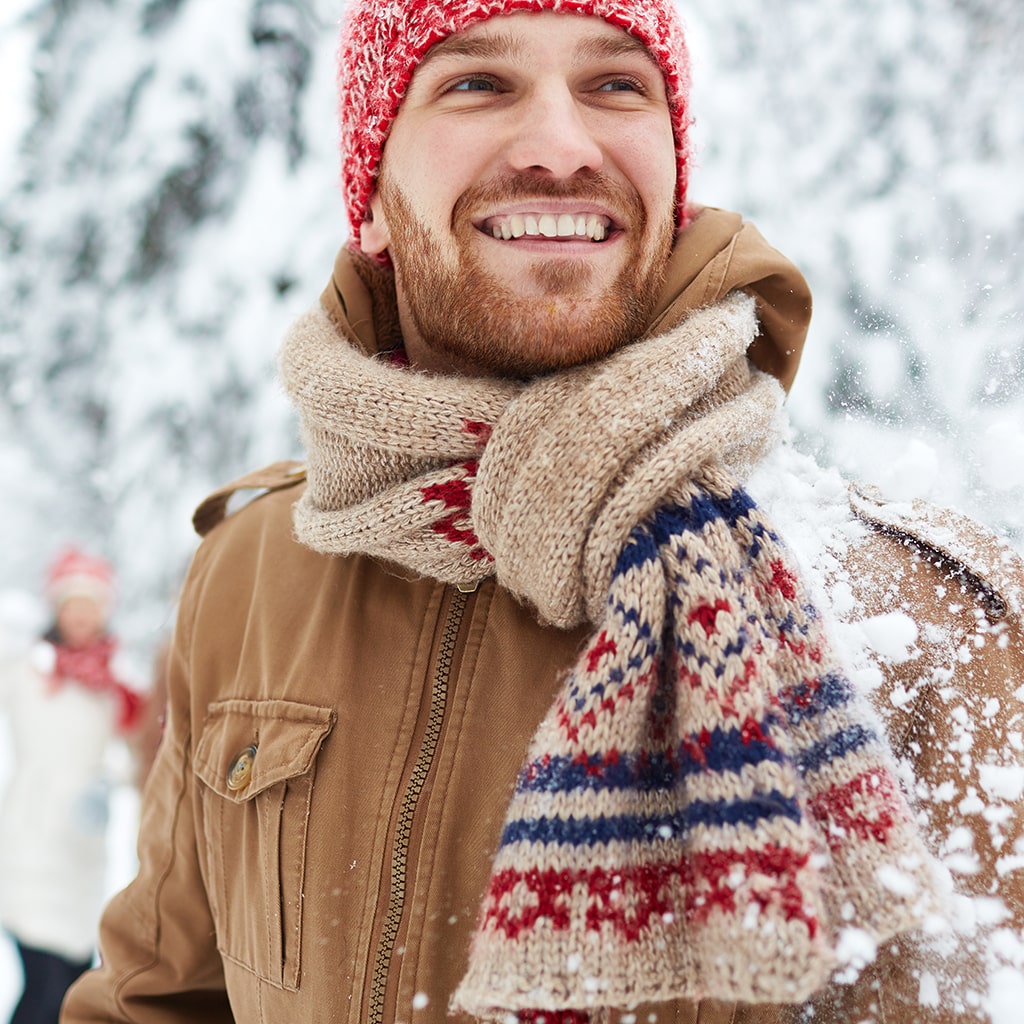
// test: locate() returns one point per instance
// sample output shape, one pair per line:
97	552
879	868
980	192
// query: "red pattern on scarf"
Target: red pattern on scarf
90	667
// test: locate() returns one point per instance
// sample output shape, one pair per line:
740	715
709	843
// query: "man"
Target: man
512	704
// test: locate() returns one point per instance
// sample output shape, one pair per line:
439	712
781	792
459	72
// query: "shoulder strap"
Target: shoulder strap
276	477
966	549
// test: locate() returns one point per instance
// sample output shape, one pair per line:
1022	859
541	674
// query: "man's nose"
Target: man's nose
551	135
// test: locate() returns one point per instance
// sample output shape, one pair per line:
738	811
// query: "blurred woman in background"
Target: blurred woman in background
66	704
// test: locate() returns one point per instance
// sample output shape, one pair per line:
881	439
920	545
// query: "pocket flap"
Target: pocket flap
248	745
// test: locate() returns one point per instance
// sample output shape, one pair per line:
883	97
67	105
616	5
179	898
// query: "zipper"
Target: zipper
418	779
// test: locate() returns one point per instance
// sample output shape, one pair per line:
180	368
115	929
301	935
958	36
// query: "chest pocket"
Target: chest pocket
255	761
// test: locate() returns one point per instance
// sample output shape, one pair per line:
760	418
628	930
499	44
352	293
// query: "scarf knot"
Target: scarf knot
578	458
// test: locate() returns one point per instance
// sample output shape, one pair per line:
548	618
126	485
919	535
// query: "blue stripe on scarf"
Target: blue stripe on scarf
723	750
639	549
640	828
672	522
803	702
834	747
563	775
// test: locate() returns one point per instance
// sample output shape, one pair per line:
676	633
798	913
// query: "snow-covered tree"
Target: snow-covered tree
879	145
176	188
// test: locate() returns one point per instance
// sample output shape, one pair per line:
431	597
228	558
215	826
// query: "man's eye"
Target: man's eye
477	84
622	85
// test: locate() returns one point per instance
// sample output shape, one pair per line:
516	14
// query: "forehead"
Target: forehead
512	37
78	603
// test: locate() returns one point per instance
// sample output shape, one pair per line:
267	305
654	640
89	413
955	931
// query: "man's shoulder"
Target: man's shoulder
248	542
956	547
876	554
246	491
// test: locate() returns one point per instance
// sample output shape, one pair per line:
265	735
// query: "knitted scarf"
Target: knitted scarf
706	807
90	667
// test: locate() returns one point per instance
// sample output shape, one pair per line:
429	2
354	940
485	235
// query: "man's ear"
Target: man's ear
374	236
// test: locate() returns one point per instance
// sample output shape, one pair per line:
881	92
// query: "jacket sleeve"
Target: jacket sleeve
954	713
158	951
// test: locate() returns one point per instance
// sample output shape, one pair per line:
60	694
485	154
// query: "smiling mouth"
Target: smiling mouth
589	227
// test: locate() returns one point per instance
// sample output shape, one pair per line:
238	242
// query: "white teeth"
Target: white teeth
550	225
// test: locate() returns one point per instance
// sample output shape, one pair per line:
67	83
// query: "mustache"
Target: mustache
585	186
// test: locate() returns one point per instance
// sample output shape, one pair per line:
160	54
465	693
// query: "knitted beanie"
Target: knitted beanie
383	41
74	573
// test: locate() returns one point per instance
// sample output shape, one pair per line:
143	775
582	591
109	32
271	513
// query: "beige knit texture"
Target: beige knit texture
574	459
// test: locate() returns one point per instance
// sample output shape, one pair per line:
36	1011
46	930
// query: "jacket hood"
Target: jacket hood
718	252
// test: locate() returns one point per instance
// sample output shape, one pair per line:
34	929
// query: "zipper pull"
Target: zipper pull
467	588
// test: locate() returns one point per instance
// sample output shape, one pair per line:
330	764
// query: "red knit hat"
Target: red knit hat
383	41
74	573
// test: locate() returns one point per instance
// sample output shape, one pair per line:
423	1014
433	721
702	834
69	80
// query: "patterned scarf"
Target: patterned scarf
90	667
707	806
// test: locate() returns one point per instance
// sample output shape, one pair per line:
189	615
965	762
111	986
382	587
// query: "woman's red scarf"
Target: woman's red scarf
90	667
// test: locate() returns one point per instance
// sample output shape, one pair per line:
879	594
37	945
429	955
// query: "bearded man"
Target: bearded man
554	687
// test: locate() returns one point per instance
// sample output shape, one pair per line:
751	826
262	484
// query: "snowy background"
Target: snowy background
169	202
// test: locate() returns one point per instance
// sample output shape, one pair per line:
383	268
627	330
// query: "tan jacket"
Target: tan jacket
340	878
341	745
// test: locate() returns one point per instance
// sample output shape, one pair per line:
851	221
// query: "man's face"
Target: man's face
527	196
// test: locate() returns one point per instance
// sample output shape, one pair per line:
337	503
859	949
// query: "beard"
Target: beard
467	312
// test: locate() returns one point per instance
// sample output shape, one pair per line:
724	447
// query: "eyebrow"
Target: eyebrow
459	45
621	45
508	46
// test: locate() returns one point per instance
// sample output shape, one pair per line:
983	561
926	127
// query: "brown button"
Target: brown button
240	771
